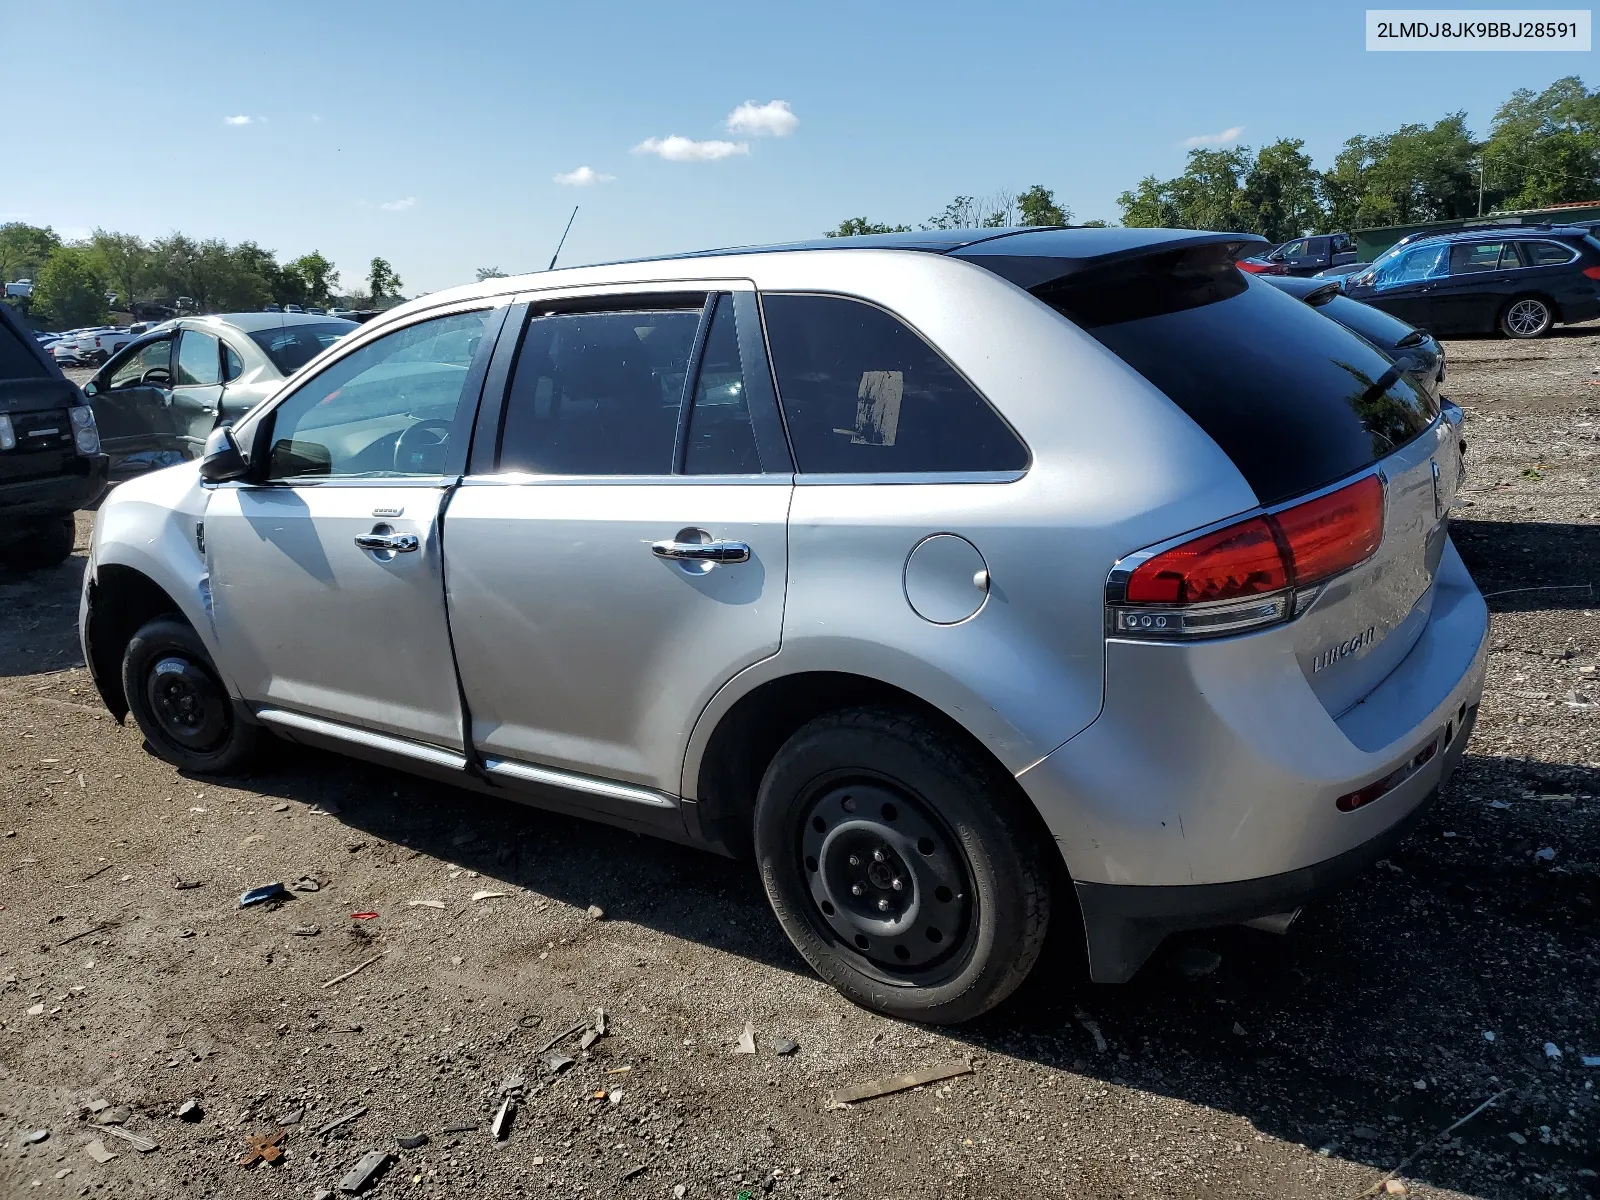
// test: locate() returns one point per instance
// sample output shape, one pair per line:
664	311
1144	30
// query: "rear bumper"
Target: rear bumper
1205	791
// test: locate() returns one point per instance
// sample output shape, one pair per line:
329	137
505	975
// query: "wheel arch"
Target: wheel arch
720	782
119	600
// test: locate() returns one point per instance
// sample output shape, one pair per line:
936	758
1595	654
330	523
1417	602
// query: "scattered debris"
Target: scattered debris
502	1119
747	1040
785	1046
97	871
595	1032
425	904
36	1010
619	1070
185	933
461	1127
1094	1030
186	885
267	891
413	1141
1238	1030
293	1117
596	913
1517	1138
1551	1050
1488	1035
113	1116
1547	854
1498	804
190	1111
308	884
558	1062
97	1151
1394	1187
138	1141
679	1191
513	1083
95	928
486	895
330	1126
856	1093
562	1036
280	807
361	966
1195	962
1591	1060
1382	1185
364	916
306	930
34	1138
615	1096
637	1169
363	1173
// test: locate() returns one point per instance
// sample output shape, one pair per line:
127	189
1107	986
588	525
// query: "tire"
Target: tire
48	545
962	878
180	704
1527	317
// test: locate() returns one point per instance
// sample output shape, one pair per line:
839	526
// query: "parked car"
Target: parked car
50	459
970	581
100	345
65	351
293	308
22	289
159	397
1515	280
1416	350
1303	256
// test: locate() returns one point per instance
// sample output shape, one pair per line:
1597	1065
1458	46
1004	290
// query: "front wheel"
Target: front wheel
902	865
179	703
1526	317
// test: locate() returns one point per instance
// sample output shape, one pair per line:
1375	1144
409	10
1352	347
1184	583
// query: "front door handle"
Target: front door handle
706	552
395	543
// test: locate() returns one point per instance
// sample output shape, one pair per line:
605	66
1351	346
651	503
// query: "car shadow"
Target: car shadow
1530	566
39	631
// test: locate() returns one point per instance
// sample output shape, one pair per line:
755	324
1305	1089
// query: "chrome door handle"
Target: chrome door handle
707	552
397	543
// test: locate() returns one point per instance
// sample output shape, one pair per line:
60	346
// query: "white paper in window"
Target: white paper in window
877	408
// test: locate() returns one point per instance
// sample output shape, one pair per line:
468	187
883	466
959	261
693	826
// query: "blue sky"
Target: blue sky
432	133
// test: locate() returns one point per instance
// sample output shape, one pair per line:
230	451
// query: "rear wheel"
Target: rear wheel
180	704
47	545
902	865
1526	317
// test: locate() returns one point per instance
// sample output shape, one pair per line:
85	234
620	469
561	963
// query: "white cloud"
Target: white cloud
1226	137
583	177
399	205
241	119
772	119
682	149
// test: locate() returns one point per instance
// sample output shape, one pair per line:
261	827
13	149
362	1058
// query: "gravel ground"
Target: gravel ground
1302	1066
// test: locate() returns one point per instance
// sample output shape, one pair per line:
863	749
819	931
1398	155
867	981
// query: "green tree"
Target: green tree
857	226
1037	206
216	277
124	262
1149	206
1544	148
1208	195
1417	173
497	273
69	289
316	275
24	249
1281	197
382	281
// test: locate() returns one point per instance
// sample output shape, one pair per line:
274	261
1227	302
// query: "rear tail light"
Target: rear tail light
85	431
1592	272
1256	571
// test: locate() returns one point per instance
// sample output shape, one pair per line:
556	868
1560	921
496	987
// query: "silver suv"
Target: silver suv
967	581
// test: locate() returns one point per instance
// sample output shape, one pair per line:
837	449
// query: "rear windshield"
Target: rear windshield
17	361
291	347
1294	399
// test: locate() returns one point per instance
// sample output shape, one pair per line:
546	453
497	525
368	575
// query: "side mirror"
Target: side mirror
221	459
1275	256
90	388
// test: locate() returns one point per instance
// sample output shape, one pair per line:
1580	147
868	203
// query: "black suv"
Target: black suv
1520	280
50	460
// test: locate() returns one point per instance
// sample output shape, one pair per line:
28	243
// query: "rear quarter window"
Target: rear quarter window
863	394
1293	398
1547	254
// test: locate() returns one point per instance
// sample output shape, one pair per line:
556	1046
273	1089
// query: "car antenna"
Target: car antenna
563	240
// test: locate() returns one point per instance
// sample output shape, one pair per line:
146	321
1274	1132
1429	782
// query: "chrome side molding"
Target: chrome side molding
385	742
573	782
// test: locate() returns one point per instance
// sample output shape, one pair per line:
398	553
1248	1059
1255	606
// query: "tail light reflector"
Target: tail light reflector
1246	574
1373	791
1592	272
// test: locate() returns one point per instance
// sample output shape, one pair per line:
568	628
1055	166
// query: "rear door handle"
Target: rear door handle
708	552
397	543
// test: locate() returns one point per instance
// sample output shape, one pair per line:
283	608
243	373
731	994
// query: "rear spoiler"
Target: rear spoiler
1030	271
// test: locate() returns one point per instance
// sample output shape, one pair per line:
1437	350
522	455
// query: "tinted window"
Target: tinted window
598	393
721	439
197	359
862	393
1298	249
291	347
232	364
1547	254
1290	396
153	356
388	409
1467	258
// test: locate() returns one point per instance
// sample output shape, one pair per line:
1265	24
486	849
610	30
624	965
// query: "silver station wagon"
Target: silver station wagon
966	581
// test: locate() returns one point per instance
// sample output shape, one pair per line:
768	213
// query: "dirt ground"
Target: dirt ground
1310	1065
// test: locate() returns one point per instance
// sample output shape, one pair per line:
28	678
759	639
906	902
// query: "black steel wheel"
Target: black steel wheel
903	864
179	702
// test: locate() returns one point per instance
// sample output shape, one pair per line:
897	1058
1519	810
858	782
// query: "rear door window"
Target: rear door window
863	394
198	361
1470	258
598	393
1294	399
